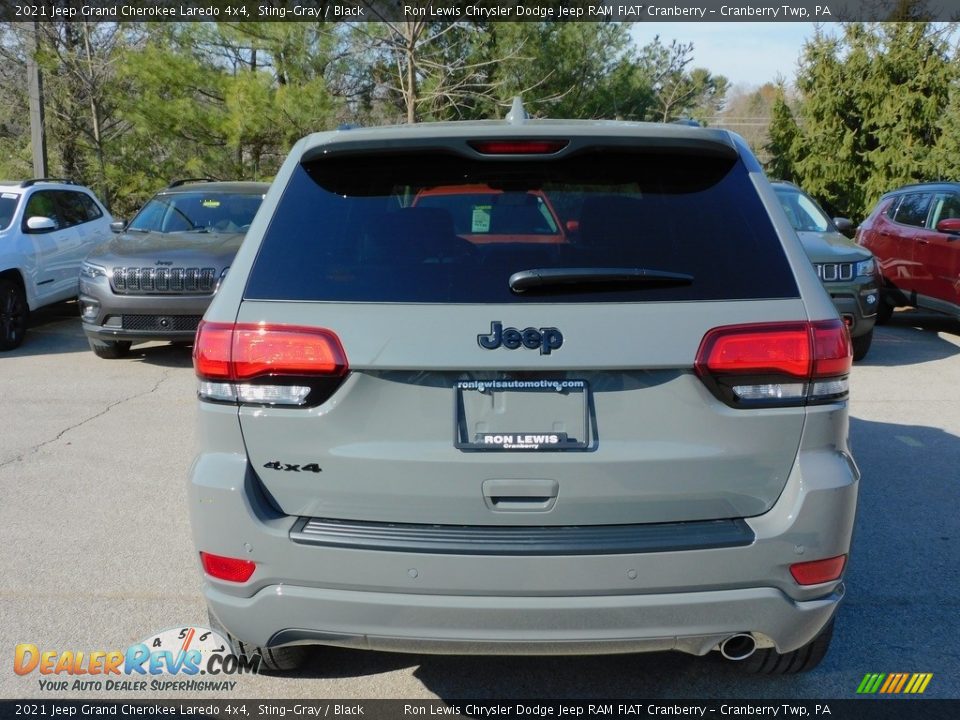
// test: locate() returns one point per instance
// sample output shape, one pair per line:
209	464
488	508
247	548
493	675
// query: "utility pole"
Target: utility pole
38	135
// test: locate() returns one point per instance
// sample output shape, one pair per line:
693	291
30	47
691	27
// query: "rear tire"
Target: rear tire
769	662
110	349
861	344
278	659
14	313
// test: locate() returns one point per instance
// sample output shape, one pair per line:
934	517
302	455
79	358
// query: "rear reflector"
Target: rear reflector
776	363
265	364
224	568
518	147
818	571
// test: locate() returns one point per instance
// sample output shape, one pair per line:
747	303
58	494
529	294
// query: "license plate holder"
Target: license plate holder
521	415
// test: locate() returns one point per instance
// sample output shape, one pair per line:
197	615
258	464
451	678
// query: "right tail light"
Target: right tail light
776	364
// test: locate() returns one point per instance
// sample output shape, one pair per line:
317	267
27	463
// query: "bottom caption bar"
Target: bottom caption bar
866	709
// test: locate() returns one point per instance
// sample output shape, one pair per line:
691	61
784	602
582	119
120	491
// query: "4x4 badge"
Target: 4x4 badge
547	339
290	467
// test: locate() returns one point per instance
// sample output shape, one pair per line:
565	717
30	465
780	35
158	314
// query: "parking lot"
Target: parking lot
96	549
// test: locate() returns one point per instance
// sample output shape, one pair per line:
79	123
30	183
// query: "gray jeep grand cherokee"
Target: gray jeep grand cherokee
156	277
629	437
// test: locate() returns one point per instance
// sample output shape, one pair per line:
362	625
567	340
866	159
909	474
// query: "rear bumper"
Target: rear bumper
404	599
692	622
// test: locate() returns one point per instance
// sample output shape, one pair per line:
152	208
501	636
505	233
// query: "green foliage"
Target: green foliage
679	92
573	70
785	148
945	156
131	106
876	106
749	113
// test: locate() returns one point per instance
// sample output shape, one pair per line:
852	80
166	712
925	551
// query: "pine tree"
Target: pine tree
785	143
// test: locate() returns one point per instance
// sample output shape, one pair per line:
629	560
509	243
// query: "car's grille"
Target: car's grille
830	272
159	323
164	280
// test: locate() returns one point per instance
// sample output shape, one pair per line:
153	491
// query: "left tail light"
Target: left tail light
261	364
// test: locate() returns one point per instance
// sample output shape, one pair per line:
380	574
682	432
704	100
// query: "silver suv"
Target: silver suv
47	227
156	277
438	429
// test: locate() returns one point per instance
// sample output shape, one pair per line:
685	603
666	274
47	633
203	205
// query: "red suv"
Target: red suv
914	232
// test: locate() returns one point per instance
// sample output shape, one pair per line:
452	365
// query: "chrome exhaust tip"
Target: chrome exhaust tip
738	647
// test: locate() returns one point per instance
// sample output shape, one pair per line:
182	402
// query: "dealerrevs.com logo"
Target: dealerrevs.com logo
170	660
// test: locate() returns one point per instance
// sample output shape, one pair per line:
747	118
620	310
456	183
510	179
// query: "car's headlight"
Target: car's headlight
866	267
91	271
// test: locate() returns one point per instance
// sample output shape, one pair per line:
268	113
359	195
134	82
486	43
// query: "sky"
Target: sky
750	53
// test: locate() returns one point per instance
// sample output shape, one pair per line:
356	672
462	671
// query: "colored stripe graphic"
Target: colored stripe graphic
918	683
894	683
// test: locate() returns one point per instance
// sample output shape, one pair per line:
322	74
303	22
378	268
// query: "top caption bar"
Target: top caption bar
823	11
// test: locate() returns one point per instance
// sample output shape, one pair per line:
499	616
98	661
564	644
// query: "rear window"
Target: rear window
446	229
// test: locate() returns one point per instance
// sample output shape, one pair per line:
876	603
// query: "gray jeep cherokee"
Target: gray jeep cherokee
156	277
848	271
629	437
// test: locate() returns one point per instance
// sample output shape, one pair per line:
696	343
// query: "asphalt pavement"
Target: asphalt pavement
95	548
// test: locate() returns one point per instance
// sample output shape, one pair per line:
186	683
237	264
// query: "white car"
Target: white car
47	228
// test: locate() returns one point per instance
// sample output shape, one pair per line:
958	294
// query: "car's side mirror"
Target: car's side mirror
950	226
573	226
118	226
38	224
844	225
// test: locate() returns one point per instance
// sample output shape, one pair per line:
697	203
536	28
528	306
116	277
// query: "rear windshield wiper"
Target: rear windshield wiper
594	276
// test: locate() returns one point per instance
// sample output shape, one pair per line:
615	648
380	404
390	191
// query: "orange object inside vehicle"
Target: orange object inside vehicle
482	214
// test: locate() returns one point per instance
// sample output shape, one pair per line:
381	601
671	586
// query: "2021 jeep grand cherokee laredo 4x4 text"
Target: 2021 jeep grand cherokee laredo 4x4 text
635	439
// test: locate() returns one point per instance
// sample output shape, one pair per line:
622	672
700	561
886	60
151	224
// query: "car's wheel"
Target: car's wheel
861	344
14	313
884	311
769	662
110	349
279	659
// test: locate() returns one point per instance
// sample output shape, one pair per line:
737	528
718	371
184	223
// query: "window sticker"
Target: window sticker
211	203
480	222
